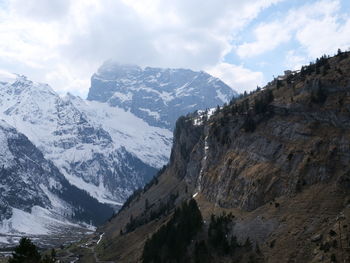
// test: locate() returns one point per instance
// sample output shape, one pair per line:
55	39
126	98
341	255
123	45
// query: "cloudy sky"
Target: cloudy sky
246	43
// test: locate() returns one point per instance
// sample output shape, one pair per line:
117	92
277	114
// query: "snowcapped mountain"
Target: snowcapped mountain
63	159
93	145
35	197
158	96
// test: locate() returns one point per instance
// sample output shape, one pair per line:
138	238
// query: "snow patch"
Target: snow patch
99	240
203	162
198	121
211	112
3	240
40	221
153	114
203	115
122	96
221	96
98	192
59	205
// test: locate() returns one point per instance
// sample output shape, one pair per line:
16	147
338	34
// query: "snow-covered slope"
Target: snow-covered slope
150	144
35	197
93	145
158	96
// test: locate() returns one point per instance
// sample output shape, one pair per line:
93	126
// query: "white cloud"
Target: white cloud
294	61
69	79
318	27
324	36
41	10
268	37
237	77
64	41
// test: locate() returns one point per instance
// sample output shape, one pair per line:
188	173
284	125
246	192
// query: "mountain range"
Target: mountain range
96	147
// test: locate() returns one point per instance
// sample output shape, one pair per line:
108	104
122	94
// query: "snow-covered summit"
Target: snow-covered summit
158	96
111	70
96	147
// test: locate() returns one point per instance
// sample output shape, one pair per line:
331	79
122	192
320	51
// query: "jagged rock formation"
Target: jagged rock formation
158	96
277	159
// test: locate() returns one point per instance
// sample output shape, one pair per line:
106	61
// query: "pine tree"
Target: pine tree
25	252
201	253
170	242
146	204
249	124
339	52
248	244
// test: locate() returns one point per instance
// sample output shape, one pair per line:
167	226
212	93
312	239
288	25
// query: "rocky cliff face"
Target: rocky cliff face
158	96
296	142
277	159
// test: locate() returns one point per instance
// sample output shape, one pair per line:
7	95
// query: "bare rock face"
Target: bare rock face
290	145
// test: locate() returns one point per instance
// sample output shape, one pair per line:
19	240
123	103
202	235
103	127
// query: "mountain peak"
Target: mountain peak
157	95
71	97
19	85
111	70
